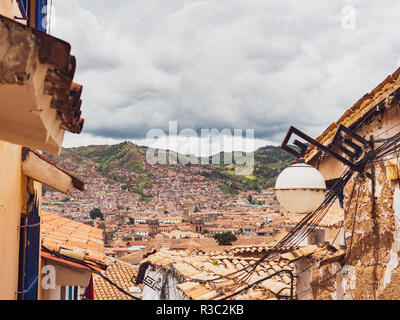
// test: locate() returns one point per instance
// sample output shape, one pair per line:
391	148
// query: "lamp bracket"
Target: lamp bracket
345	140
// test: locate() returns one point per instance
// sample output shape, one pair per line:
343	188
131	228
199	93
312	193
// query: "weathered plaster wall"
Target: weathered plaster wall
370	269
335	236
372	233
302	271
316	282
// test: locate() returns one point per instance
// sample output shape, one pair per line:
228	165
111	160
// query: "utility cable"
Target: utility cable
58	255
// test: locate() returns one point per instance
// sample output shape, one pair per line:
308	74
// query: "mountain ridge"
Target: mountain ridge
110	160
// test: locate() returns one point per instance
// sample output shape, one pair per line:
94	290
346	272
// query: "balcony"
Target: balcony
38	99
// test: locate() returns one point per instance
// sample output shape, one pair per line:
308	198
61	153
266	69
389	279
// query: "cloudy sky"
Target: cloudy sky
254	64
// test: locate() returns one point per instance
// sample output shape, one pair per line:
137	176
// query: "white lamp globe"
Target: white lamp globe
300	188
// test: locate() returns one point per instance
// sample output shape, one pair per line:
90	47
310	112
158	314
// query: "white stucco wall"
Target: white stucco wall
161	278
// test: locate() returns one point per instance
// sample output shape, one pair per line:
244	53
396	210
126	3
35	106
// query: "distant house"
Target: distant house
140	219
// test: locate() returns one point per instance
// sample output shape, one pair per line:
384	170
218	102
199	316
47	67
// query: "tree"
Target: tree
225	238
96	213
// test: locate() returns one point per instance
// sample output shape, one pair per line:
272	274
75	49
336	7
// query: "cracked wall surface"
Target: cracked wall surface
17	54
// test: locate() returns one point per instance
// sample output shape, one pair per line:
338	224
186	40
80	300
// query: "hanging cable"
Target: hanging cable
310	221
58	255
297	234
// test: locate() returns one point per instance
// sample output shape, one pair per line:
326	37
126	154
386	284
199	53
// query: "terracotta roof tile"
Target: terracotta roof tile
59	232
334	218
123	275
202	274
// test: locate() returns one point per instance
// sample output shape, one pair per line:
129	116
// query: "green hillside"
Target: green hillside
269	161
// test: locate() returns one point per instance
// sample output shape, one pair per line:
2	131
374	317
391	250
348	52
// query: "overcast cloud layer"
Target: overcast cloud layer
253	64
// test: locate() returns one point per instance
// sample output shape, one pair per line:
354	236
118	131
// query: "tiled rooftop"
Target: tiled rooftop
258	250
334	218
195	270
58	232
323	253
122	274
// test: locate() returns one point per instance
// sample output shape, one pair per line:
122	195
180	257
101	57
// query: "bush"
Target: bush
96	213
225	238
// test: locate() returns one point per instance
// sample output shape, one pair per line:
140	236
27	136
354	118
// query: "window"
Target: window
40	12
70	293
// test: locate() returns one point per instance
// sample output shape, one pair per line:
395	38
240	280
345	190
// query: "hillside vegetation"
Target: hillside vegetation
269	161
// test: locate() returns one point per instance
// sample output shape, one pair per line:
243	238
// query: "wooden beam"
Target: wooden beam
44	172
32	13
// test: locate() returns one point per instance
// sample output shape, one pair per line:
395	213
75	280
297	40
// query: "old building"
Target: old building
369	266
198	225
153	227
38	103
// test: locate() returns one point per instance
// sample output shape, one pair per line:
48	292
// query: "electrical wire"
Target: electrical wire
58	255
259	281
351	242
299	232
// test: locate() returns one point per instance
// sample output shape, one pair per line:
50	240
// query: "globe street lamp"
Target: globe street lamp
300	188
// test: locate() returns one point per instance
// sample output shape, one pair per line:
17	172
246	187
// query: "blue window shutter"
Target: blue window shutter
23	8
24	3
40	15
29	252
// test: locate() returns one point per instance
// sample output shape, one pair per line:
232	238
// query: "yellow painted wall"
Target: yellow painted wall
10	212
13	200
13	197
9	9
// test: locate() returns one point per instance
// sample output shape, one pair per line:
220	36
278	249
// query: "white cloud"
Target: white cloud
252	64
